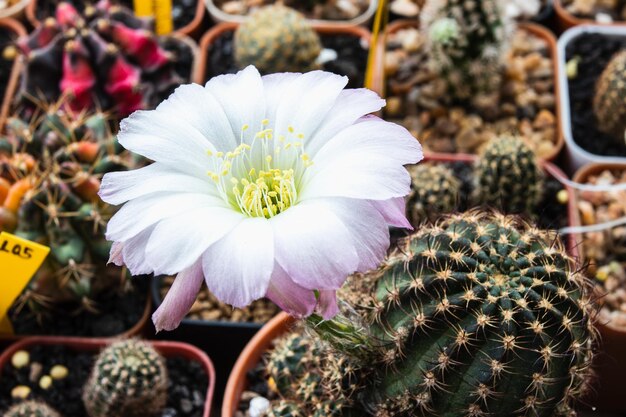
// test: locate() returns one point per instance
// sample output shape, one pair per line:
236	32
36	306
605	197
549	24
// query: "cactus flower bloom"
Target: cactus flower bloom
277	186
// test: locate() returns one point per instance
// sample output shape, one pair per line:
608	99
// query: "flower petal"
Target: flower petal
119	187
238	268
327	304
313	246
276	86
133	253
307	101
242	97
363	161
179	299
393	210
179	241
351	105
140	213
289	296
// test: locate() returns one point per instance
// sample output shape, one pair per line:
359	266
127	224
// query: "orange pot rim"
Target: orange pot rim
567	20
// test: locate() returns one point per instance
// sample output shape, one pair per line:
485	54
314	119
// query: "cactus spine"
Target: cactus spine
31	409
129	379
508	176
277	39
435	190
609	102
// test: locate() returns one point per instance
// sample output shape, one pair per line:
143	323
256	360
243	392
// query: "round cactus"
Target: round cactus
277	39
480	315
609	102
508	177
31	409
435	190
284	408
129	379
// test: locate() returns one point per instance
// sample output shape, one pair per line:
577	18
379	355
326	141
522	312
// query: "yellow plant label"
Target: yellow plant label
160	10
19	260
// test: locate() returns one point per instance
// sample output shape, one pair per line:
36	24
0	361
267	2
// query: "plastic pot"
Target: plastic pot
191	29
167	349
17	28
577	156
209	38
219	16
566	20
610	364
379	78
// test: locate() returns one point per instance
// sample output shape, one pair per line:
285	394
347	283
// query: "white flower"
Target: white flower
272	186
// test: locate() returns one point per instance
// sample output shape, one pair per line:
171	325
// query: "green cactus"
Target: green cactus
50	168
277	39
508	177
435	190
284	408
129	379
31	409
609	102
466	41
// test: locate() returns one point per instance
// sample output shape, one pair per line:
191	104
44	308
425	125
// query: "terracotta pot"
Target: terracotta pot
209	37
167	349
17	28
378	83
566	20
219	16
610	365
192	29
279	325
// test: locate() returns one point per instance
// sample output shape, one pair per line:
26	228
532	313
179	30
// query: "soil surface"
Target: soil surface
604	11
186	392
351	58
312	9
593	51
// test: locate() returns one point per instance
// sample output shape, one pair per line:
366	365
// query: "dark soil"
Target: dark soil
595	52
6	65
351	58
186	392
183	11
118	314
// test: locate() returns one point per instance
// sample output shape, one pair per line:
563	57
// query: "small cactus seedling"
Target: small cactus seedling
435	191
508	177
277	39
129	379
31	409
50	170
466	41
104	58
609	103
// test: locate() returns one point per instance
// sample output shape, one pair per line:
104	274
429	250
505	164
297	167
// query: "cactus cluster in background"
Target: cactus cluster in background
106	58
508	176
481	314
609	102
435	190
31	409
50	170
467	40
129	379
277	39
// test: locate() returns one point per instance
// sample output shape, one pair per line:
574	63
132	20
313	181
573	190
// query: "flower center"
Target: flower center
261	177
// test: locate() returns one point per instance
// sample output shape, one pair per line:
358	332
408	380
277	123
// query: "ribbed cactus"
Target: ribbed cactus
105	58
50	170
609	102
508	177
466	41
31	409
435	190
129	379
277	39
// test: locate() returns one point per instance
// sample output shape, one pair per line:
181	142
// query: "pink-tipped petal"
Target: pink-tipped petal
289	296
133	253
116	256
179	299
327	304
393	210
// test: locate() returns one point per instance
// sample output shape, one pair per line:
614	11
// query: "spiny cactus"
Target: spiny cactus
467	41
277	39
50	170
609	102
508	177
129	379
31	409
105	58
435	190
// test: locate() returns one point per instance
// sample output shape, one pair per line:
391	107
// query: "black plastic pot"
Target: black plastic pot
547	17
